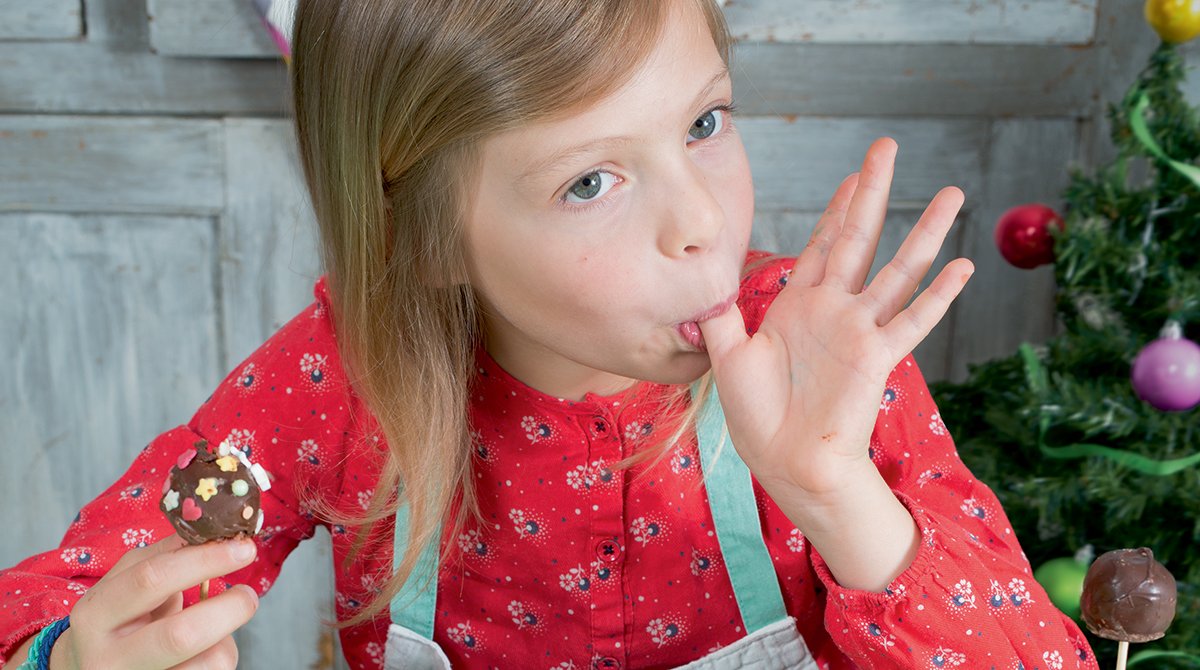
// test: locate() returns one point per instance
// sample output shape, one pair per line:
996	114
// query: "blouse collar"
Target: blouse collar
491	379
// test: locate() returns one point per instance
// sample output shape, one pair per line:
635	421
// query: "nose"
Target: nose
691	216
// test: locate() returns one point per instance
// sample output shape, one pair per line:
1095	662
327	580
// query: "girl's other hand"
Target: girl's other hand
134	616
801	397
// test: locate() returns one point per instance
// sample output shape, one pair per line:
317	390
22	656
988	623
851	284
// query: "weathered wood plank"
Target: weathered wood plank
769	79
222	28
1003	306
118	25
1124	44
797	164
230	28
269	257
41	20
111	342
920	80
1191	87
89	164
268	266
93	78
913	21
787	232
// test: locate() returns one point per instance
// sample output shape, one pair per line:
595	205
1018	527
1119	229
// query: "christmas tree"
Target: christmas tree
1092	439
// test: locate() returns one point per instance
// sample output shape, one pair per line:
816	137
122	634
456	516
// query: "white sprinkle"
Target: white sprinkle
260	476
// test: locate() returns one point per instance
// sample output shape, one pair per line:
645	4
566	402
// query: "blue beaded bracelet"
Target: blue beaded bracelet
39	652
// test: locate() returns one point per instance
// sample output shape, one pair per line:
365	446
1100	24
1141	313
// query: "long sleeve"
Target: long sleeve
285	406
969	599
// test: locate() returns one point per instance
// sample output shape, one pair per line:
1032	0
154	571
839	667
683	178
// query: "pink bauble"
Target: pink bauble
1023	235
1166	374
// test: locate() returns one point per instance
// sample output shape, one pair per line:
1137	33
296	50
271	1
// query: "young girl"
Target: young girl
552	410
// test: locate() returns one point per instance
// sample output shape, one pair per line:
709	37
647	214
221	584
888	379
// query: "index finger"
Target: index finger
148	583
810	266
137	554
852	254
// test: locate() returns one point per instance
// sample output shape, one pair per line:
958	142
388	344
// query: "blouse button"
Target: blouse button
608	663
600	426
608	551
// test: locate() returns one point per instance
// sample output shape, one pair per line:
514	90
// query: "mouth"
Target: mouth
690	330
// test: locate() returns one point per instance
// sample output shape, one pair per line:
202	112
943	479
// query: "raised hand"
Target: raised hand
801	396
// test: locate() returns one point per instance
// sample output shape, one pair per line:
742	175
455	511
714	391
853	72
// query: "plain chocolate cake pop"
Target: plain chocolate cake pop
1128	596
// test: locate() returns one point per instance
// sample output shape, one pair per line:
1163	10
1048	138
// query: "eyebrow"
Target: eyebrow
544	166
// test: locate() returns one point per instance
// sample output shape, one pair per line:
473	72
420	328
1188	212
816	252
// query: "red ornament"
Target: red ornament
1023	235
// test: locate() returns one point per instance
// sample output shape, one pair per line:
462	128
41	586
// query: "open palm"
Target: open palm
801	396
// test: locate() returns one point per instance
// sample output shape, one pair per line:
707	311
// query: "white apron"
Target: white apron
773	642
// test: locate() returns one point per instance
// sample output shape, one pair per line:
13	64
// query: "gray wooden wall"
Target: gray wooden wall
154	228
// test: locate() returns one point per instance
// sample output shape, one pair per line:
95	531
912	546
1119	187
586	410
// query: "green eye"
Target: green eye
589	186
707	125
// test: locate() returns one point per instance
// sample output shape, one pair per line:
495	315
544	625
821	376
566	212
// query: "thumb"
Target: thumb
722	334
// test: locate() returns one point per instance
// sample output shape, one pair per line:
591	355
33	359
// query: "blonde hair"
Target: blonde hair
392	99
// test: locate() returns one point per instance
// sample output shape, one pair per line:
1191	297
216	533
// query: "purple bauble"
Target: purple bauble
1166	373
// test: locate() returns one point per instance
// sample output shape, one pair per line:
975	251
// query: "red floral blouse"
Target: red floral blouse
579	563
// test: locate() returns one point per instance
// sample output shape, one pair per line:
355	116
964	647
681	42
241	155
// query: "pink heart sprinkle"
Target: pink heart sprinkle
191	511
185	458
166	485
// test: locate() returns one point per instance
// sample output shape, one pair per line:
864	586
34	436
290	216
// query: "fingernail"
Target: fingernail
242	550
248	589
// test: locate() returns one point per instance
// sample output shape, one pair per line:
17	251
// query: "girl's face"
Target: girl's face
591	238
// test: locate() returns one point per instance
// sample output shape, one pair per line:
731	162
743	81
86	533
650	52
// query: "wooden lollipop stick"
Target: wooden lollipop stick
204	596
1122	652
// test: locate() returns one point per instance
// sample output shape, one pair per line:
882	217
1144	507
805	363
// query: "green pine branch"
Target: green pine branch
1128	261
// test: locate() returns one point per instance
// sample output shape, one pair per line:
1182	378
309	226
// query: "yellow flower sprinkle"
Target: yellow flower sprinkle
207	488
228	463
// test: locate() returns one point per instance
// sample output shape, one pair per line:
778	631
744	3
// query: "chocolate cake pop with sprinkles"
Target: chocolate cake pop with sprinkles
214	495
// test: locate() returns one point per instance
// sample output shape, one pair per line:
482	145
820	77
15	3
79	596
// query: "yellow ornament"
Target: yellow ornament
1175	21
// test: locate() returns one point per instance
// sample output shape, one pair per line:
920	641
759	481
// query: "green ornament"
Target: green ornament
1063	580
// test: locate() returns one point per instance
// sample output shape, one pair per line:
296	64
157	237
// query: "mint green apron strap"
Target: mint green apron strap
735	515
414	606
